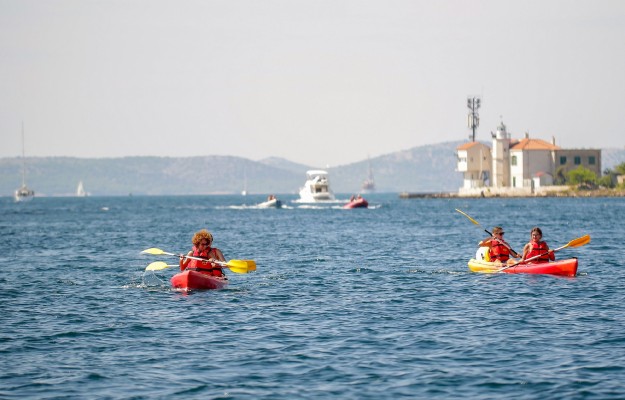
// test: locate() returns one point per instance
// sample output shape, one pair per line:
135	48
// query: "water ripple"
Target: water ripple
378	304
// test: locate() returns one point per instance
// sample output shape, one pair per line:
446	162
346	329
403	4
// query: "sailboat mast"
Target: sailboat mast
23	158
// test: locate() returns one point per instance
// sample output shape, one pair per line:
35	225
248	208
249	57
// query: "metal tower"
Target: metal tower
473	119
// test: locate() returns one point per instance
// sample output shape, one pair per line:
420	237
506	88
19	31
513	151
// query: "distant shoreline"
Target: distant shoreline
568	193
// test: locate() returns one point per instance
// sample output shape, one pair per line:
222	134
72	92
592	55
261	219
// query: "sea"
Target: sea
373	303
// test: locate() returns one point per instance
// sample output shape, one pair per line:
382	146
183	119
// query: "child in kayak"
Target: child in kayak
498	248
537	247
202	241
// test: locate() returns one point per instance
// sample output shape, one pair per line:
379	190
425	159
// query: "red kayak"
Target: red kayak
358	203
566	267
189	279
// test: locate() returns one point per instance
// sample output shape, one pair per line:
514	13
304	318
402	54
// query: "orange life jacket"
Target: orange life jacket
198	265
539	249
499	251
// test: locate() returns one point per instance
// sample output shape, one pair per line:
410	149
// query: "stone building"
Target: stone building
513	166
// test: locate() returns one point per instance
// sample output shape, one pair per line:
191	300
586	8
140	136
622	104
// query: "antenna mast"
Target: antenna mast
473	119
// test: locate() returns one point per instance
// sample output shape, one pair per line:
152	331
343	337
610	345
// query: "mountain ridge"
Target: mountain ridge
428	168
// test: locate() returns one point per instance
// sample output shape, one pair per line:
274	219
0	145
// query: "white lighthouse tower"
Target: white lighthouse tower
501	157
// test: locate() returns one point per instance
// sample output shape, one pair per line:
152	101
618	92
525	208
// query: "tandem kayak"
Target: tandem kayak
566	267
189	279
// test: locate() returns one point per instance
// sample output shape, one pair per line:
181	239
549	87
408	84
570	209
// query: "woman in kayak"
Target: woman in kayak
537	248
202	241
498	248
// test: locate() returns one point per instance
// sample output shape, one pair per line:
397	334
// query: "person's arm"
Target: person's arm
526	249
217	256
486	242
552	255
184	261
220	255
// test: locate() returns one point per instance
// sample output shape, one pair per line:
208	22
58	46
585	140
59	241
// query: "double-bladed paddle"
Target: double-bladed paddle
486	230
580	241
251	265
238	266
160	265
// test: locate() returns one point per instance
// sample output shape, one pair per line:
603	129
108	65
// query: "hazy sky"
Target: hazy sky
317	82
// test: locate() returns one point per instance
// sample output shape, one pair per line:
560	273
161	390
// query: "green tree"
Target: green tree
582	177
560	178
620	169
606	180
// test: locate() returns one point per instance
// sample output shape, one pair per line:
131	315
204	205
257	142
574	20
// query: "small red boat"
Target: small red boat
190	279
567	267
357	203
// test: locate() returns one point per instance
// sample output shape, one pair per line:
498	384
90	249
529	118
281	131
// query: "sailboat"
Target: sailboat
244	191
368	185
24	193
80	190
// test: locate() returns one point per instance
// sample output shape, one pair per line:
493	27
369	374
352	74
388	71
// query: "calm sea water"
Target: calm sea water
360	304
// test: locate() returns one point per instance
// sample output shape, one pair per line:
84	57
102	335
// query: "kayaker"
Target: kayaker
202	241
537	247
498	248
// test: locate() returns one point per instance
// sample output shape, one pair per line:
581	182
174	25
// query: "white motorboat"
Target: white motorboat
24	193
316	188
272	202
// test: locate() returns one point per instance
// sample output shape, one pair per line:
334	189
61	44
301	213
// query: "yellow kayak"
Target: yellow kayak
567	267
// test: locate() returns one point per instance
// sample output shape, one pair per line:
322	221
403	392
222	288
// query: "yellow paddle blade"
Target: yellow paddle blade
238	264
154	251
466	215
584	240
157	266
238	270
251	265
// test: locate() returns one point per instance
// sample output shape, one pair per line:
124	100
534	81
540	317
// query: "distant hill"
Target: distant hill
430	168
287	165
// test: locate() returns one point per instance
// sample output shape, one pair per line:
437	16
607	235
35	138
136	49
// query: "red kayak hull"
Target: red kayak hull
567	267
197	280
362	203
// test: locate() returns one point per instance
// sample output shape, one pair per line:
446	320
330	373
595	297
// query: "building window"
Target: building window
577	160
562	160
513	160
514	181
591	160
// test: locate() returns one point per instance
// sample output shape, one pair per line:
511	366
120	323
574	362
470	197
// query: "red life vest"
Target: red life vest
205	267
499	251
539	249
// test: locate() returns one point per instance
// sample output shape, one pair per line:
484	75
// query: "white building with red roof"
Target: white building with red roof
513	166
